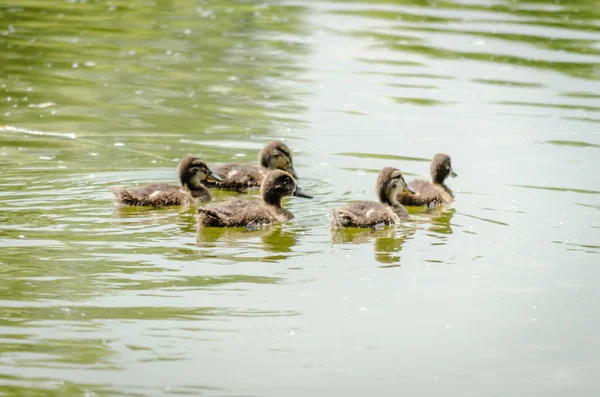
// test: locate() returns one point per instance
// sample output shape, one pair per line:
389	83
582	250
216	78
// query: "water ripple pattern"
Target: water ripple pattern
494	294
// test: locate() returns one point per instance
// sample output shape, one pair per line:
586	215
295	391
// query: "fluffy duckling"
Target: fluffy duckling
388	211
251	214
434	192
192	171
239	176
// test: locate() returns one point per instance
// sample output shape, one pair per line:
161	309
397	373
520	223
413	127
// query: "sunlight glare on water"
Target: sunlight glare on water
495	294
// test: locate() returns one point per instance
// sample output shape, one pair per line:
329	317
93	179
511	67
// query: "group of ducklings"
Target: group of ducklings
276	177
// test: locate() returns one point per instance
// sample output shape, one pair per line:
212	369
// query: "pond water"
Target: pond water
496	294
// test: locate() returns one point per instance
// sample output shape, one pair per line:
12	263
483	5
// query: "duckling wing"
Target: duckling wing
237	176
236	213
364	214
155	195
426	193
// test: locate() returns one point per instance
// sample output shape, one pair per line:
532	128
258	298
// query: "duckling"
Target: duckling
240	176
428	193
251	214
371	213
192	171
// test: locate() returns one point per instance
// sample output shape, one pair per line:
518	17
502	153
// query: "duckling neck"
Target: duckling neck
272	198
199	191
446	189
393	202
389	199
438	179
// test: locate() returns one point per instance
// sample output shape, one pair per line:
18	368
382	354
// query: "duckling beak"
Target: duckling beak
300	193
213	176
453	174
408	189
292	171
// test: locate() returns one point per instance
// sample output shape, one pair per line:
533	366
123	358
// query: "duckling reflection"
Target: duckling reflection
275	239
441	221
239	176
387	249
138	216
192	171
387	243
434	192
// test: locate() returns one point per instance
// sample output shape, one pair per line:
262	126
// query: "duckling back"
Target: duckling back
238	176
156	195
426	193
241	213
367	214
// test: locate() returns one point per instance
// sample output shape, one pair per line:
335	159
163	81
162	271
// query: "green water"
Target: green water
495	295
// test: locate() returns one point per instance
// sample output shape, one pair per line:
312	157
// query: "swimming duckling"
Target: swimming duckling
251	214
240	176
192	171
388	211
428	193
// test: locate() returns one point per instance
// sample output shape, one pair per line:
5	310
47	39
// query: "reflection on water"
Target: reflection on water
274	239
97	299
387	242
441	218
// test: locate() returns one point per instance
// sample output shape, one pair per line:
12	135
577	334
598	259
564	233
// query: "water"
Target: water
494	295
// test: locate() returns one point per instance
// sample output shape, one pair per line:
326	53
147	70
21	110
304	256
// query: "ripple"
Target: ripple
119	93
381	156
421	101
586	95
572	143
559	189
508	83
550	105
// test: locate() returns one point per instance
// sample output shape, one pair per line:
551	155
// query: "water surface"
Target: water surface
496	294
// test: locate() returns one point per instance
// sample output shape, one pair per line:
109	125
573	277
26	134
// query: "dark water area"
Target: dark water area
495	294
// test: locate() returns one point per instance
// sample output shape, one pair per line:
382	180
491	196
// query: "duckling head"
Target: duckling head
278	184
390	183
277	156
441	167
192	171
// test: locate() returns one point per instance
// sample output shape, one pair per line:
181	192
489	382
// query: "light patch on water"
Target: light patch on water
41	105
10	128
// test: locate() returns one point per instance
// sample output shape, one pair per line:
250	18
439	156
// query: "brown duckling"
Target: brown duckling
240	176
388	211
192	172
436	191
251	214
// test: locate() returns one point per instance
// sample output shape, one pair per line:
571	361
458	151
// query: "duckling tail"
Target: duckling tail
122	195
207	217
335	219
